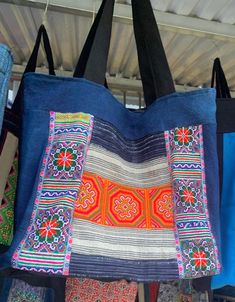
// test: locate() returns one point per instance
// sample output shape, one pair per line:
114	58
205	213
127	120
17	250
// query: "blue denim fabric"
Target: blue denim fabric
43	93
227	277
6	61
212	181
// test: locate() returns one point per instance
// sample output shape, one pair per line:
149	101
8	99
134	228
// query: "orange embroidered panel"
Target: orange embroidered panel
108	203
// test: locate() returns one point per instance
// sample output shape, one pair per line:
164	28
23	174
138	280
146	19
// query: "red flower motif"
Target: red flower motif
49	228
188	195
65	159
183	136
200	259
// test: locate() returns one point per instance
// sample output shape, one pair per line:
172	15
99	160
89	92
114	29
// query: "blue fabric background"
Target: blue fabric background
227	215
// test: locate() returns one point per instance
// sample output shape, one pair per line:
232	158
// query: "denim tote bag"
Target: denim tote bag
226	148
112	193
9	148
6	62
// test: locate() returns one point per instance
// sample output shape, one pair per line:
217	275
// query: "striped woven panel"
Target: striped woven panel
112	207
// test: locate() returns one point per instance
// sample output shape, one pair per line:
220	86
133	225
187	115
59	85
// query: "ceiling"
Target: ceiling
193	32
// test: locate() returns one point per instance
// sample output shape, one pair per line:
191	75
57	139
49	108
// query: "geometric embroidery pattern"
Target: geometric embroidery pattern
7	206
196	249
93	290
47	244
20	291
108	203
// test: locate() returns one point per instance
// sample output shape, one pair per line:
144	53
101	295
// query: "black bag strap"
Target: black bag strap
154	68
32	63
219	80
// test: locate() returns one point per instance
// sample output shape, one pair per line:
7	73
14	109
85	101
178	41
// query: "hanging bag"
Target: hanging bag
226	148
117	194
9	147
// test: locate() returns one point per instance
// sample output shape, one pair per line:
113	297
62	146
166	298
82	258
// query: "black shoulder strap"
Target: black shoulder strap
154	69
96	46
219	80
32	63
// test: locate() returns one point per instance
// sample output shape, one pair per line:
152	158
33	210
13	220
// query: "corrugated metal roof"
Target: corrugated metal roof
190	45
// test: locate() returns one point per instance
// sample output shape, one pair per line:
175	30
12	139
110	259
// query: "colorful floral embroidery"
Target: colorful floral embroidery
51	227
47	245
65	159
196	249
183	136
199	256
185	139
188	195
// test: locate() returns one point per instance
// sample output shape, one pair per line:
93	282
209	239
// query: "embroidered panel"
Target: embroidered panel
47	245
197	252
92	291
7	206
108	203
20	291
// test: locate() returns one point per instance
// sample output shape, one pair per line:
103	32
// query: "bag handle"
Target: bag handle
32	63
219	80
154	69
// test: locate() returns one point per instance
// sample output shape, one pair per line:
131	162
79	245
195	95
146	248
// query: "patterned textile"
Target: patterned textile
195	243
104	200
20	291
6	62
7	206
47	246
92	291
171	292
